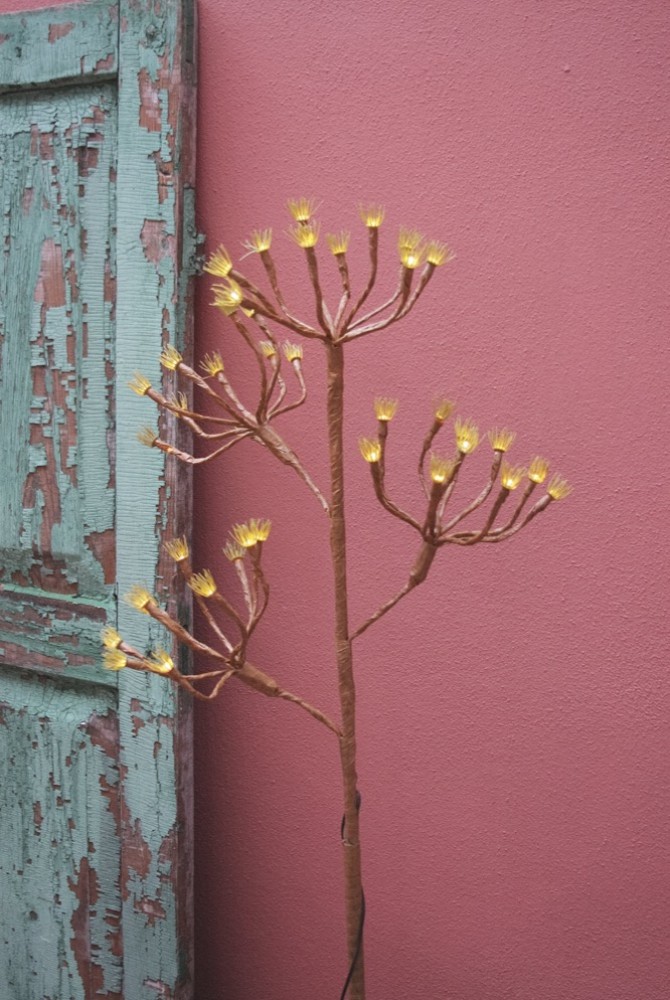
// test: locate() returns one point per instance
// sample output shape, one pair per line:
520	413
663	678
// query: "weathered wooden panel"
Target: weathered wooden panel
60	895
79	524
58	44
155	249
57	156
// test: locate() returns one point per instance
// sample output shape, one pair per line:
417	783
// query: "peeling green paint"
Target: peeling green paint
91	285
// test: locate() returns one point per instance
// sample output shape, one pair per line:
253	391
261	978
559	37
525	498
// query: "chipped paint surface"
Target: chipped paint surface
56	376
60	890
91	285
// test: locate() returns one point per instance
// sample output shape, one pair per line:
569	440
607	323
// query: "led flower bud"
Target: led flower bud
438	253
139	384
110	637
212	364
511	475
372	215
147	436
292	352
538	470
228	297
338	243
409	239
114	659
202	584
371	449
260	528
385	408
259	241
443	409
558	488
179	402
177	549
233	551
170	357
302	209
244	535
441	469
501	439
306	235
268	348
467	436
412	258
160	662
139	598
219	263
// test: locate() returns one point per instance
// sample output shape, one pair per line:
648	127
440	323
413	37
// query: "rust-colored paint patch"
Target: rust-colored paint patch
150	102
153	909
156	243
57	31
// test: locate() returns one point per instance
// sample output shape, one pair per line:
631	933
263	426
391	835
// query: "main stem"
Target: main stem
353	889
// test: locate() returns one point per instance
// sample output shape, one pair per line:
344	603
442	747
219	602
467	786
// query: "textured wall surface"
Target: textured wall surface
513	711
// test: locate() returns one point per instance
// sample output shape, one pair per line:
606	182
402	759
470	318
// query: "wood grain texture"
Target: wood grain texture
91	286
155	245
58	45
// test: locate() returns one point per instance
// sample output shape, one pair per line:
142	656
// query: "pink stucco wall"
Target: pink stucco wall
514	710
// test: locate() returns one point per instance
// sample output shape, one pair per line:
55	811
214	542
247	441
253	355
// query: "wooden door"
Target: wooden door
96	248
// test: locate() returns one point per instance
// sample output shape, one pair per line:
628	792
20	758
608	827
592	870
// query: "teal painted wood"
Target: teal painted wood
155	227
58	44
78	526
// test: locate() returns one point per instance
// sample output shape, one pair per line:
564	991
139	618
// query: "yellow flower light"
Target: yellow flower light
538	470
385	408
228	297
139	384
441	469
147	436
202	583
170	357
501	439
302	209
233	551
412	259
160	662
244	535
409	239
261	528
443	409
306	235
139	598
467	436
292	352
268	348
511	475
372	216
110	638
114	659
370	449
177	549
438	253
180	401
219	263
259	241
558	488
338	243
212	364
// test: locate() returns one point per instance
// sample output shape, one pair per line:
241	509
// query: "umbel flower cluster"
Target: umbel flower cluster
511	497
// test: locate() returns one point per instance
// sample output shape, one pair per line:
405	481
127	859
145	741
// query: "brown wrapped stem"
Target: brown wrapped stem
373	246
378	483
417	575
406	277
322	313
480	499
346	686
